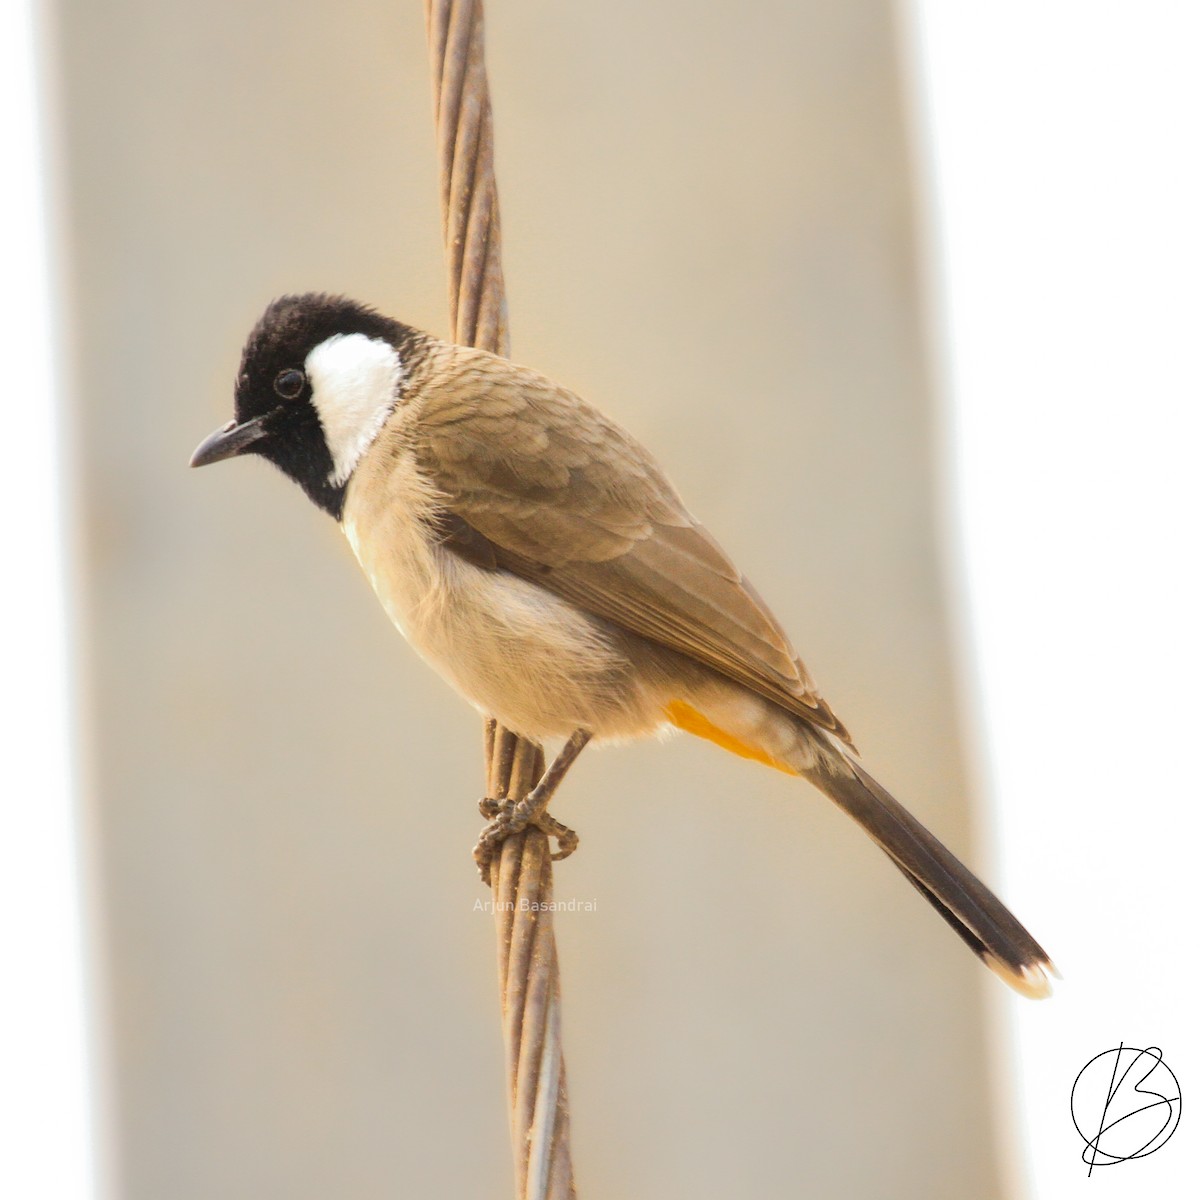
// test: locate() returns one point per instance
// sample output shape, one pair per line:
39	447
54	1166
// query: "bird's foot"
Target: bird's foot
507	817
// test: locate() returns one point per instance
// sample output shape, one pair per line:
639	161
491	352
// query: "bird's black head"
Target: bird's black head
318	378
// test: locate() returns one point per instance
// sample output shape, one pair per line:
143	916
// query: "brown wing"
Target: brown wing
539	483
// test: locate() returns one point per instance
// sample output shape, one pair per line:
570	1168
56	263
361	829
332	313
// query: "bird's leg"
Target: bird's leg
508	817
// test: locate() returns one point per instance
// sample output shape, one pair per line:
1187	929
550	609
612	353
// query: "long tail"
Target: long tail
755	728
968	907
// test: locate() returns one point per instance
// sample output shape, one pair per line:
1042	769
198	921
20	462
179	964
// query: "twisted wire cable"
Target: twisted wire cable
521	877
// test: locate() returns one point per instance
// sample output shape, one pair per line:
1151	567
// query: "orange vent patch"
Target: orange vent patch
684	716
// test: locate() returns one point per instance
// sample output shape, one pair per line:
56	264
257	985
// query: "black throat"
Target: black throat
281	341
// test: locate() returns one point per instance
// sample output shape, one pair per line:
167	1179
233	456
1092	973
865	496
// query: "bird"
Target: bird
538	557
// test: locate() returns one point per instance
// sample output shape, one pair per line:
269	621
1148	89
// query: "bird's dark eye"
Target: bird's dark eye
289	384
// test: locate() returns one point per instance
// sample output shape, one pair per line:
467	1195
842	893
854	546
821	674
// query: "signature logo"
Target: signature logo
1125	1104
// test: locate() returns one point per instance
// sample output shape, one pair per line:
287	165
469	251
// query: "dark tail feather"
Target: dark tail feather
967	906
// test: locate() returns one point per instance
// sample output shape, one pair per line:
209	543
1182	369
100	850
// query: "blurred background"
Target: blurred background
722	225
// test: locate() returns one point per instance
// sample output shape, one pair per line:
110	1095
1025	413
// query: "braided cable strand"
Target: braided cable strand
521	876
470	205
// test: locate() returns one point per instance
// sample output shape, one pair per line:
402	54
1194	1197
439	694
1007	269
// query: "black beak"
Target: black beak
228	442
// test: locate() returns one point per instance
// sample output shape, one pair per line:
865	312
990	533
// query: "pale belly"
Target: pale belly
514	650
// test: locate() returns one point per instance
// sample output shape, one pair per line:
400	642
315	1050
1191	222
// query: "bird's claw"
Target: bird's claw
507	817
567	838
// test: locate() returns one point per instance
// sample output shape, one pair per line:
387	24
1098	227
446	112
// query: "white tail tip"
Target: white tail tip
1032	981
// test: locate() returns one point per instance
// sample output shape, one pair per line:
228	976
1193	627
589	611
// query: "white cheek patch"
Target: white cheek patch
355	384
